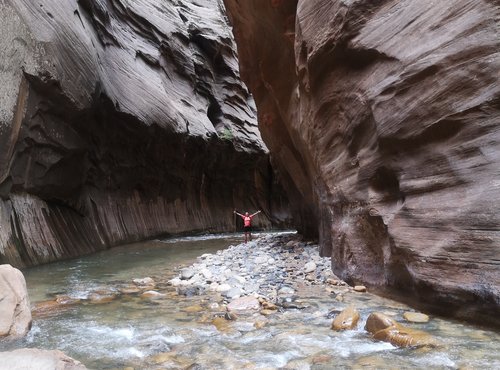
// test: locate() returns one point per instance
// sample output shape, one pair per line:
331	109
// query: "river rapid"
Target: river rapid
105	321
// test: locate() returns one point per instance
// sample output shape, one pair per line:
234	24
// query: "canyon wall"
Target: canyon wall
120	121
383	120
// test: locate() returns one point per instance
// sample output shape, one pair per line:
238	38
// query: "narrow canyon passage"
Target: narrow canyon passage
369	127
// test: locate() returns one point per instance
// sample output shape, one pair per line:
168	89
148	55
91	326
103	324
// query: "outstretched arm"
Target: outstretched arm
256	213
239	214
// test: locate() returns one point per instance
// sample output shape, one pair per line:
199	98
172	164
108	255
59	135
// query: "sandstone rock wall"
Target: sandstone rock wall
123	120
384	116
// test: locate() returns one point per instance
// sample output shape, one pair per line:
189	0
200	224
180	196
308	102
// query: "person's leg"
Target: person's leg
246	236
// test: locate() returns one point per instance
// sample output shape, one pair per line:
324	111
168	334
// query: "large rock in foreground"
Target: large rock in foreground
36	359
15	313
120	121
382	117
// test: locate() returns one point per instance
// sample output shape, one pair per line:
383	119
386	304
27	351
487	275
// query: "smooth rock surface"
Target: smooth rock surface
346	320
15	311
416	317
382	119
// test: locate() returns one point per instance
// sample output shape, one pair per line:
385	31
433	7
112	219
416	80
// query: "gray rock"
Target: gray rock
15	312
187	273
37	359
309	267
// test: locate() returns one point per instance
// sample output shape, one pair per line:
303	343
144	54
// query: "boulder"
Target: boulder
386	329
346	320
15	313
401	336
360	288
37	359
378	321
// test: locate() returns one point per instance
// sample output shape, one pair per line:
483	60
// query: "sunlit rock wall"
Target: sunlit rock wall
123	120
384	117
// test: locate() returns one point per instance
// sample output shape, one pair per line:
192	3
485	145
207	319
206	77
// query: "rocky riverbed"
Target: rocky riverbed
272	303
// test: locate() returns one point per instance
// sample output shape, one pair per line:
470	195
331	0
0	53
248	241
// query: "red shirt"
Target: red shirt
247	220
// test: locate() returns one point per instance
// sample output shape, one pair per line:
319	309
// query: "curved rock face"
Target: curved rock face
120	121
26	359
384	116
15	312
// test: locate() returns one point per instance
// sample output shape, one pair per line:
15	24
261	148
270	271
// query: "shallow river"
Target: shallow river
143	333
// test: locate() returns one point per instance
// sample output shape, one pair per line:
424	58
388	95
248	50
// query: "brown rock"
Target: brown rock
193	309
378	321
416	317
373	123
267	312
15	312
346	320
360	288
401	336
269	306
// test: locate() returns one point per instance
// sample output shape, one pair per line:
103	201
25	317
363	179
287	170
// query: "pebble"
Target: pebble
309	267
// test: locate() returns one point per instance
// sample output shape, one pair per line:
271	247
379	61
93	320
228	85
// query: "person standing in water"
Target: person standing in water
247	224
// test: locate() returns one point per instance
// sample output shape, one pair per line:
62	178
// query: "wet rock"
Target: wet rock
259	324
360	288
131	289
377	321
36	359
190	291
243	304
386	329
102	297
193	309
346	320
267	312
144	283
15	312
416	317
152	294
401	336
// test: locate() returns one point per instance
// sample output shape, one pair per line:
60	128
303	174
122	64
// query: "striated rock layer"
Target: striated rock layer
120	121
384	117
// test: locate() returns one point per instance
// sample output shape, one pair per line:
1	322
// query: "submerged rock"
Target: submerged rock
386	329
15	312
346	320
416	317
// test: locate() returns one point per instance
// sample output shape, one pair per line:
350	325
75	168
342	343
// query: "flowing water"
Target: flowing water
174	332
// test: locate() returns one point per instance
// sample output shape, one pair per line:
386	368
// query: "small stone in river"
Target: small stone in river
145	282
266	312
195	308
269	306
309	267
259	324
244	303
152	294
346	320
416	317
187	273
378	321
360	288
